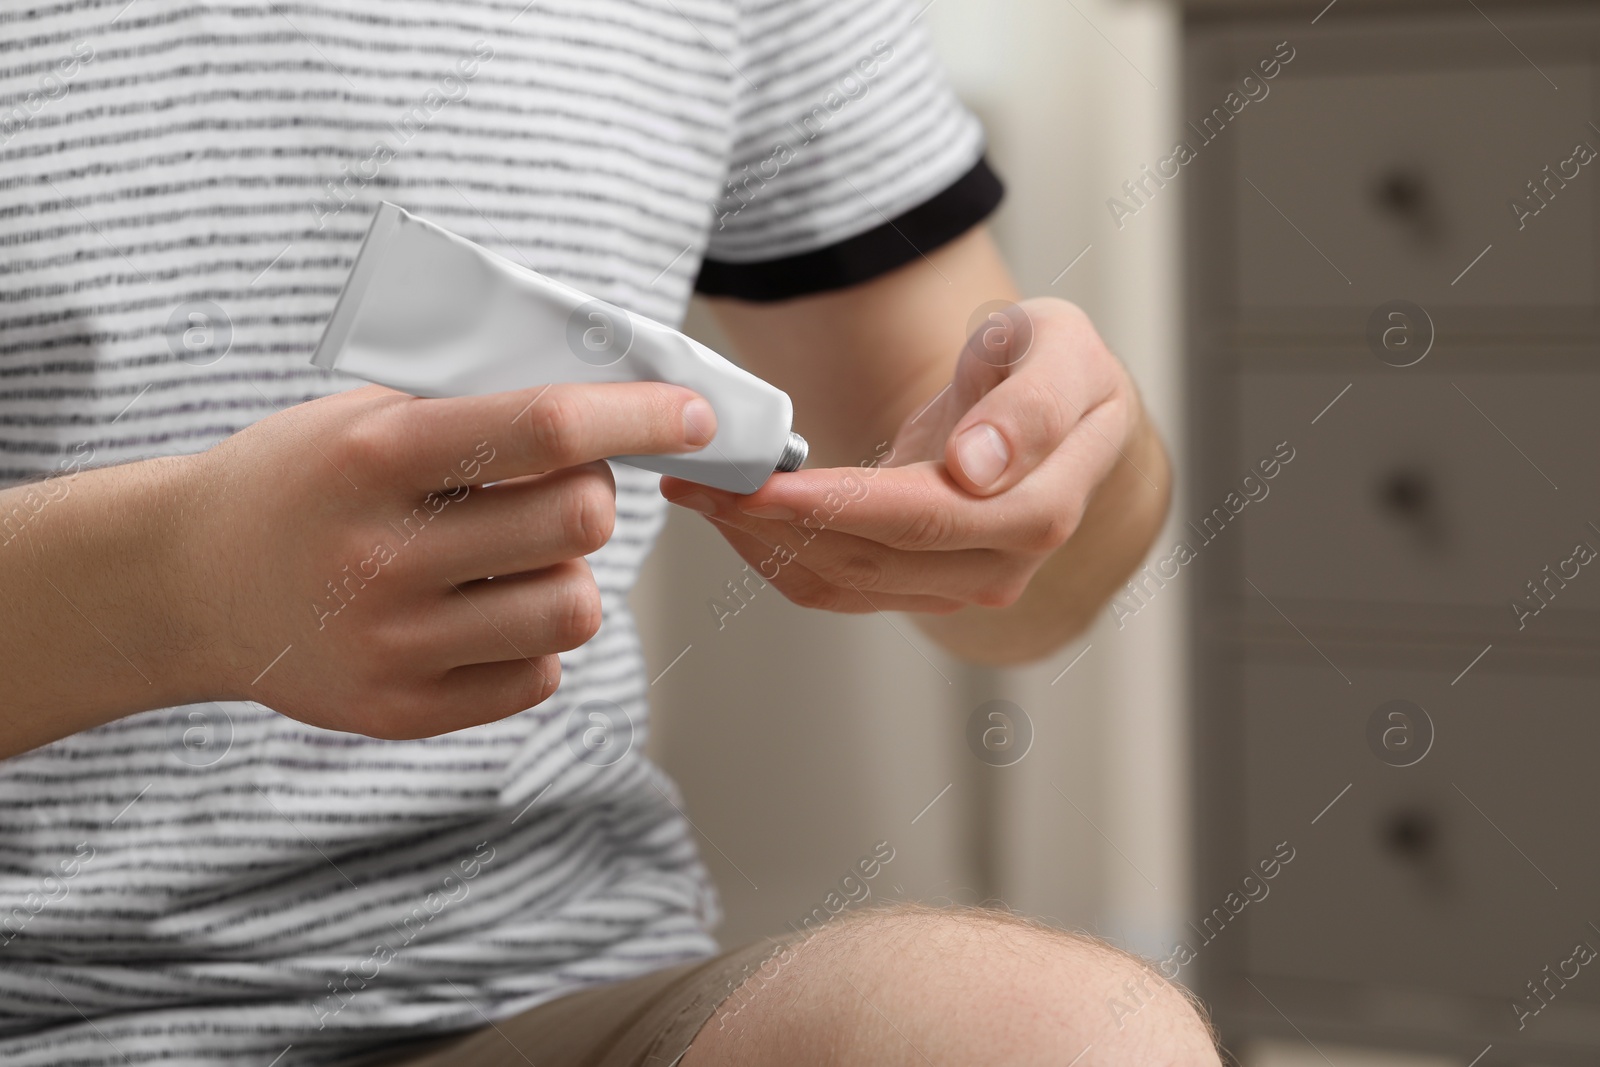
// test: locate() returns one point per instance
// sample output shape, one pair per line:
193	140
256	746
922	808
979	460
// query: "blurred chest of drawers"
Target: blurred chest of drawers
1391	248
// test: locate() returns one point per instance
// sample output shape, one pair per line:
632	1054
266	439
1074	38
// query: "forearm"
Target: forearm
859	361
87	631
1068	591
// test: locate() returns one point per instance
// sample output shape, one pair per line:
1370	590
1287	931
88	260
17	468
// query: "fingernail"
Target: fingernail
771	511
699	422
697	502
983	455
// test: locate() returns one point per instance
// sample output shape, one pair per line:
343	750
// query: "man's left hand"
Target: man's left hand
974	493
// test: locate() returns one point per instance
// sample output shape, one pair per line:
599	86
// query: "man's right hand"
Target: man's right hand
344	562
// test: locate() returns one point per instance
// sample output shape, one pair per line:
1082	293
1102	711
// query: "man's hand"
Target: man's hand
1024	482
345	562
984	484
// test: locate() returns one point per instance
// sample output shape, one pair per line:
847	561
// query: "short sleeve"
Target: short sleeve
851	154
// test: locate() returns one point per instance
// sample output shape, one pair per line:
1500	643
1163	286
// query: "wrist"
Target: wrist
142	559
97	629
180	541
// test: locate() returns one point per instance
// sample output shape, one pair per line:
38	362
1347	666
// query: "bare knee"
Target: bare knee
919	986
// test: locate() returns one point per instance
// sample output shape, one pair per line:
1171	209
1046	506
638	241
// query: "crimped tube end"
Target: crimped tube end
794	455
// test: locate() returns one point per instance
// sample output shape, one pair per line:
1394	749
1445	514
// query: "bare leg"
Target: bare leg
922	986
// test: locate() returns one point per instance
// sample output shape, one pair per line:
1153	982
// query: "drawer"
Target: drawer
1406	493
1467	872
1383	161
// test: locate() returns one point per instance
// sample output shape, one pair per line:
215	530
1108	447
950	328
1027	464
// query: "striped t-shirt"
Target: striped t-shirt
183	187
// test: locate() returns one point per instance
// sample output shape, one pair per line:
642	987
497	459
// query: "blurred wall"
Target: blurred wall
801	740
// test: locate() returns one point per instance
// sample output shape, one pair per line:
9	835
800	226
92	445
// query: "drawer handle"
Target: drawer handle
1407	198
1408	494
1412	834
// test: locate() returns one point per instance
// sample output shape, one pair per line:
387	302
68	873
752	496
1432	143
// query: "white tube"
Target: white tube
432	314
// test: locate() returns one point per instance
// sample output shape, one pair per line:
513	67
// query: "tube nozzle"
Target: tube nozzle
794	454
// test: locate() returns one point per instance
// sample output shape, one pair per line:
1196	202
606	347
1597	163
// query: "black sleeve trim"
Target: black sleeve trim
949	214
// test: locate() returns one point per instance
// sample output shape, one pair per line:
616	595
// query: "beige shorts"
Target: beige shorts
642	1022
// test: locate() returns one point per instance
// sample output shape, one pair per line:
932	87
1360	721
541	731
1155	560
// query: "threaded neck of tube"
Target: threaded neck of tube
794	454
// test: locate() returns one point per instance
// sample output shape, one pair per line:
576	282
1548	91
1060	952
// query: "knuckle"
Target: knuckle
861	571
581	614
1049	408
929	528
806	592
665	417
362	444
1000	594
531	682
990	596
814	593
1069	325
400	564
1065	311
588	514
544	678
1046	533
553	427
343	547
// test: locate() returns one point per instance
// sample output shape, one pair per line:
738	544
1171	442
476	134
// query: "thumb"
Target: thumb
1001	334
982	430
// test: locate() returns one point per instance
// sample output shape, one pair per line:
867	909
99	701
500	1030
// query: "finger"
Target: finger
527	524
474	695
810	590
973	576
1032	403
919	507
532	431
519	616
1002	335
